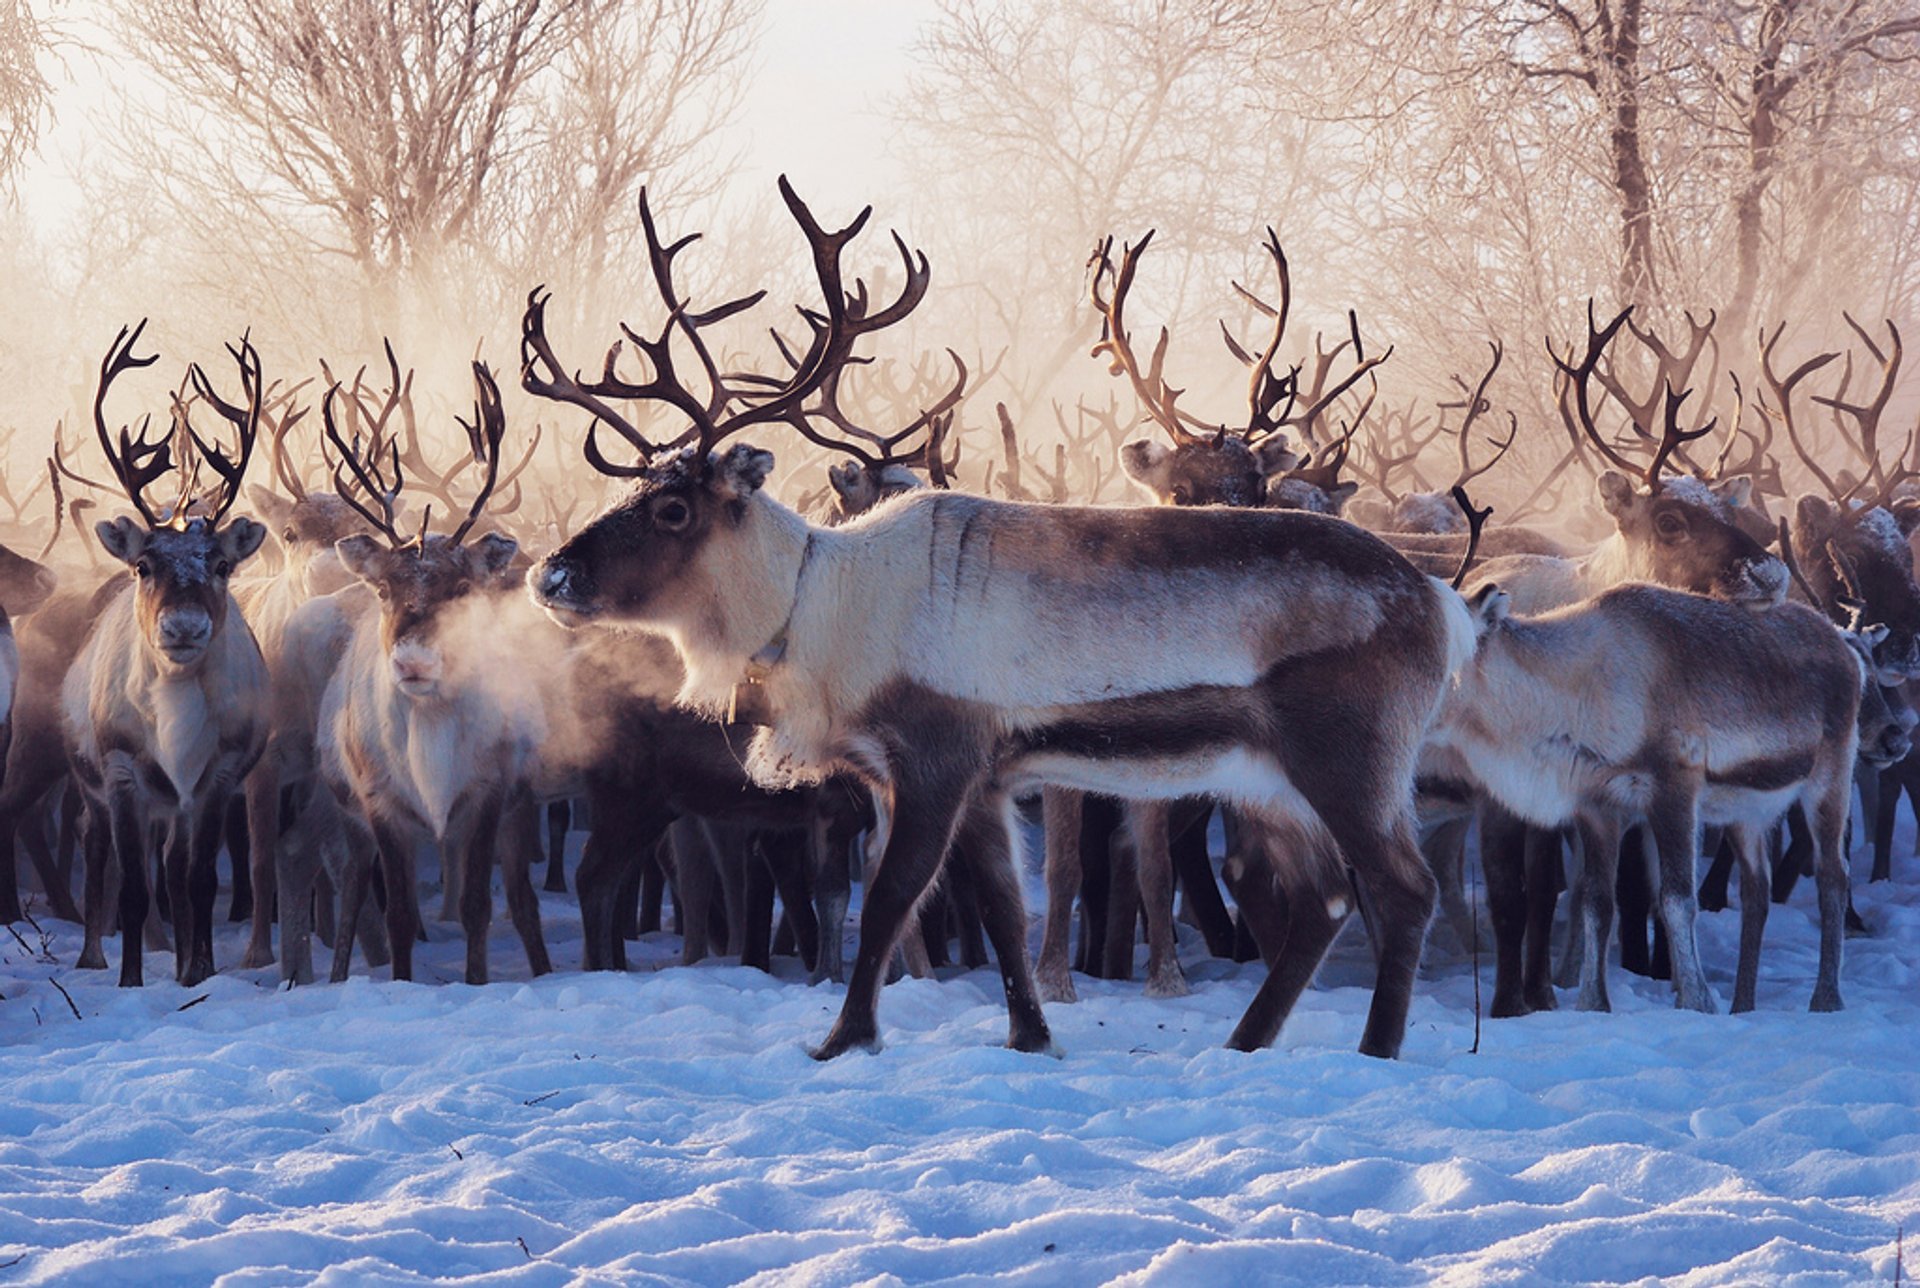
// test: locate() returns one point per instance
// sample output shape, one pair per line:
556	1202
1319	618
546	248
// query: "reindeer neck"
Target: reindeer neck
748	599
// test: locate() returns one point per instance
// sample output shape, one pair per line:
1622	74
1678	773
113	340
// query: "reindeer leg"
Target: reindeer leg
130	841
1148	825
1635	902
1546	877
1200	903
1123	903
1713	886
1060	812
786	852
924	809
516	877
1444	847
985	844
559	822
1593	893
264	843
98	845
1829	824
1753	912
471	846
1313	918
194	942
1503	864
1674	829
403	912
240	854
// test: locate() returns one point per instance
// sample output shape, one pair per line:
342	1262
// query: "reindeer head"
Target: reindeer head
630	564
1887	719
181	557
25	584
420	579
1678	530
633	562
1214	465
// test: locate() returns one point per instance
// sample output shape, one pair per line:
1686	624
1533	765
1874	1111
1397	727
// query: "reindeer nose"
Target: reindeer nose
185	630
1894	746
550	579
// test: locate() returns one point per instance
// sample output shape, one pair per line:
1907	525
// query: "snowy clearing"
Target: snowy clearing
668	1126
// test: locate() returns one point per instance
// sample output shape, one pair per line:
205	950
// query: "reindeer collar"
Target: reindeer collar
748	703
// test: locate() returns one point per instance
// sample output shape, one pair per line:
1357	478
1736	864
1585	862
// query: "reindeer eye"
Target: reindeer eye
672	514
222	568
1670	525
462	588
288	536
143	570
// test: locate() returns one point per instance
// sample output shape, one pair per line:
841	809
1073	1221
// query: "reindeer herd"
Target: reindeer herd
745	703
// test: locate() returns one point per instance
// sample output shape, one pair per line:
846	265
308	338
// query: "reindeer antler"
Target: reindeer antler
138	463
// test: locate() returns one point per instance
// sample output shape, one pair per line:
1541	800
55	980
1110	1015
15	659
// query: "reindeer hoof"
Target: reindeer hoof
91	958
1509	1008
1171	982
1542	999
1040	1043
1826	1000
256	957
842	1040
1056	986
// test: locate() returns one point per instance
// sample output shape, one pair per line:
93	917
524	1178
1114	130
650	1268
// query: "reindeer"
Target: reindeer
1647	705
412	735
1010	645
165	706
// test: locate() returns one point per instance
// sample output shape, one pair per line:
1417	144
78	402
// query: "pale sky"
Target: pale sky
815	106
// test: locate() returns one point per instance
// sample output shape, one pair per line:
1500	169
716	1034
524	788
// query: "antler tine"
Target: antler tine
1265	391
486	431
59	507
245	421
1672	436
1576	384
136	463
928	452
536	354
1866	416
1476	404
1117	346
1783	395
1476	520
366	475
1793	565
1363	367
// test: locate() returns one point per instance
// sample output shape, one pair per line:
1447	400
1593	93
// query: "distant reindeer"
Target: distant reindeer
166	706
1283	661
416	732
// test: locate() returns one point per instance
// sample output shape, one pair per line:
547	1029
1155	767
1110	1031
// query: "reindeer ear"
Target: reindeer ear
1275	457
274	508
1814	516
241	538
1906	513
491	554
1736	492
845	478
739	472
123	538
1340	493
1873	636
1143	460
1490	605
1617	494
362	555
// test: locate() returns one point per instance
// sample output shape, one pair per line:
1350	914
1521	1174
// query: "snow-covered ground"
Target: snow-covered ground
668	1126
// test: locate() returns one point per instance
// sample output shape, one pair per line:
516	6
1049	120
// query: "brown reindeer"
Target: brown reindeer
165	707
1012	645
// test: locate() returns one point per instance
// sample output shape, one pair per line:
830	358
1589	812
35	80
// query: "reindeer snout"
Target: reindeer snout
1768	578
557	587
415	666
186	631
550	580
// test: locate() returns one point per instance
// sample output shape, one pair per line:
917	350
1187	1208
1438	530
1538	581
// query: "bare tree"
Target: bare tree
414	139
24	91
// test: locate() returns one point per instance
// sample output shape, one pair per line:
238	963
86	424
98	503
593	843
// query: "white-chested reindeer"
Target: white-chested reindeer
165	707
1280	660
1644	705
415	732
